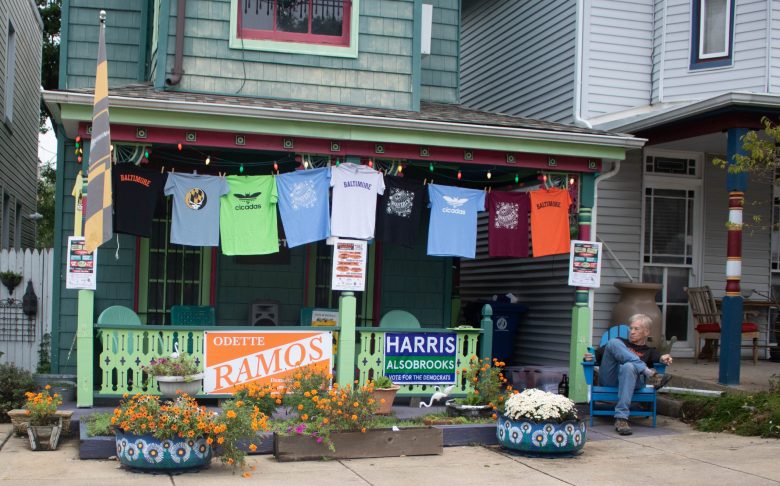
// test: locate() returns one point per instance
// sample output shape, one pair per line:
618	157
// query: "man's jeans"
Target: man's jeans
623	369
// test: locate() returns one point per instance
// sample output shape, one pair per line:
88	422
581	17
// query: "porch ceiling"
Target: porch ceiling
436	125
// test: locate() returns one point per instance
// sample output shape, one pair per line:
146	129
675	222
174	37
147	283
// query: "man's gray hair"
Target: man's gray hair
643	319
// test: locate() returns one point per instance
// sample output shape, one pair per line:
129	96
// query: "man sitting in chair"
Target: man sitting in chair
628	365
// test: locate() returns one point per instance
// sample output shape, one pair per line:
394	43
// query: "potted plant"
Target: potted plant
540	422
176	374
44	426
156	435
384	394
489	389
10	279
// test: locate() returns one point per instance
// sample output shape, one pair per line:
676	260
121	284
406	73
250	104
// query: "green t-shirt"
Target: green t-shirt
247	216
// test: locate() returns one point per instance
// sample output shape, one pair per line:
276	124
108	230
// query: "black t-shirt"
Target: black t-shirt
399	210
646	353
136	192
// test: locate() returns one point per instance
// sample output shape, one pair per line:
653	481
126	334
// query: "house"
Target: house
690	76
21	34
258	87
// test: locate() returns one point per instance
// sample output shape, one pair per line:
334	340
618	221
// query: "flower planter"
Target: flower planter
388	395
146	453
170	385
455	409
355	445
541	437
45	437
20	420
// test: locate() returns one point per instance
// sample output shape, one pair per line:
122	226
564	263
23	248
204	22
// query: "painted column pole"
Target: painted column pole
581	313
85	329
345	359
731	317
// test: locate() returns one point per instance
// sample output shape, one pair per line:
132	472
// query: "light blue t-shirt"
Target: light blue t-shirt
303	205
453	227
195	208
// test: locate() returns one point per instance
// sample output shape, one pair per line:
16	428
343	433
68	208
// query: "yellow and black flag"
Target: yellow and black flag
98	213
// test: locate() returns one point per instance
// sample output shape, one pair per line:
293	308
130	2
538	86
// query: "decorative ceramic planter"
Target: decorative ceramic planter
146	453
190	384
639	298
541	437
45	437
388	395
20	420
455	409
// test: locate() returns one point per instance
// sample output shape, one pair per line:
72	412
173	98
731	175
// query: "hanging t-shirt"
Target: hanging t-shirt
550	221
355	188
247	216
303	205
508	224
195	208
136	192
399	211
453	227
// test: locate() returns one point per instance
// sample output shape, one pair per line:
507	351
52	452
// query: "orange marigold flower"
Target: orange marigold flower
325	421
48	387
354	417
300	406
246	474
363	430
209	441
305	417
221	440
356	404
252	447
494	416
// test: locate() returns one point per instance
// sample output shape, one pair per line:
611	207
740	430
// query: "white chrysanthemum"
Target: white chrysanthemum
539	405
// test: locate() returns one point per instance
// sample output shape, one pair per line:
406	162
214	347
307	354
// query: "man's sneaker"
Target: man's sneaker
622	427
658	381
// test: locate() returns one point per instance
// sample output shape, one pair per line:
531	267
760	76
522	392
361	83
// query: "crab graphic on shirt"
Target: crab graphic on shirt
303	195
506	215
400	203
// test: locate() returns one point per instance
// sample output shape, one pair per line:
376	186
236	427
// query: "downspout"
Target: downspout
768	47
177	73
579	41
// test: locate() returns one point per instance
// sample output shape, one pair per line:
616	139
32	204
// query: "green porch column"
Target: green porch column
581	313
85	334
345	359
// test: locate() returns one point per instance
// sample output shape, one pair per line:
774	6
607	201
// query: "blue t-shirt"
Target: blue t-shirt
195	208
303	205
453	227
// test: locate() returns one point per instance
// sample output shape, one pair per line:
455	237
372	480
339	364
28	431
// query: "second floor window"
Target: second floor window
304	21
713	22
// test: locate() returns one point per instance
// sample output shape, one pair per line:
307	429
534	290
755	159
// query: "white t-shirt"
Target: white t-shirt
355	188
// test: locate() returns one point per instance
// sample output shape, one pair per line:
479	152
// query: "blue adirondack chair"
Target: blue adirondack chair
598	393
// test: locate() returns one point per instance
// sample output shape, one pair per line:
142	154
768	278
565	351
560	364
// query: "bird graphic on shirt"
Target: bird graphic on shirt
248	197
455	202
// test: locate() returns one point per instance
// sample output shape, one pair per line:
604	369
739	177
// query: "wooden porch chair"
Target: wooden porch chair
707	317
598	393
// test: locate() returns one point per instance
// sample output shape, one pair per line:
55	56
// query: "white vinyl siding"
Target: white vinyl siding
773	12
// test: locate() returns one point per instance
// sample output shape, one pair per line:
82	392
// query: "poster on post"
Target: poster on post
420	358
81	271
349	265
585	264
235	358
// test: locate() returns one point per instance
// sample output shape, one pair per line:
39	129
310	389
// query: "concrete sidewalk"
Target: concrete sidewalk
671	454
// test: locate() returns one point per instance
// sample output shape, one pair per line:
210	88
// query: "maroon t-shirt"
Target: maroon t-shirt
508	227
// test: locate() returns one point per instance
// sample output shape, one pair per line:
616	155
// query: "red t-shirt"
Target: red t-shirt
508	226
550	221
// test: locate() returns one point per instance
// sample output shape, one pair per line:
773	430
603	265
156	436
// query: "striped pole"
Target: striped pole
731	317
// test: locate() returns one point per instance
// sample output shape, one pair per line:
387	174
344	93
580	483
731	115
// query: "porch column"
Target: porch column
345	359
581	313
85	331
731	318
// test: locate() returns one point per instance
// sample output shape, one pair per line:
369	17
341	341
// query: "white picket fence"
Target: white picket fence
20	335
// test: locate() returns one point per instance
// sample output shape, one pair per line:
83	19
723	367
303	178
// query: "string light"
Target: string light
400	168
241	169
430	166
517	179
208	159
337	162
78	142
571	181
460	175
179	147
276	167
371	163
544	178
146	153
489	175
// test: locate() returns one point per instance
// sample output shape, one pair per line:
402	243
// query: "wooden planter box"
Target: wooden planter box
356	445
19	420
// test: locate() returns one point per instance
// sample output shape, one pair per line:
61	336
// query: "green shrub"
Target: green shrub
99	424
746	414
14	383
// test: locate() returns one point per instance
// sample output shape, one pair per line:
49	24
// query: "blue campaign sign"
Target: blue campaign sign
420	358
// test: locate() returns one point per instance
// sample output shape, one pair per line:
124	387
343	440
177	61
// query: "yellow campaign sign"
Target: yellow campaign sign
235	358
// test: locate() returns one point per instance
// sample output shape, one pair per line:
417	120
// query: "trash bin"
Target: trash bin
506	317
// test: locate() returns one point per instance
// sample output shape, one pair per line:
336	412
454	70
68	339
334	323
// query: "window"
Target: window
323	27
712	33
10	67
669	226
670	165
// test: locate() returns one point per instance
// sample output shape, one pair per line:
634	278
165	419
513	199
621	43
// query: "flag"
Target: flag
98	213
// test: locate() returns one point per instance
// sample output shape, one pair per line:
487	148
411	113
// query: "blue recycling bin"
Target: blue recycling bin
506	318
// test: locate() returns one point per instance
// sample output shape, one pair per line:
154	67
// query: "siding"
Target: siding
618	38
748	72
544	332
774	43
518	58
440	68
619	226
123	42
19	141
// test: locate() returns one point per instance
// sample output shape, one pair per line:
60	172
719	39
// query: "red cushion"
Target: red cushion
708	327
749	327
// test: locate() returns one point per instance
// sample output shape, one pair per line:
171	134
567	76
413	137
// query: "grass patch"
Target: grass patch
748	414
99	424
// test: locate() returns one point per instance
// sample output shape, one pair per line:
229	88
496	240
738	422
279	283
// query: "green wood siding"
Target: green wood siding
123	42
440	67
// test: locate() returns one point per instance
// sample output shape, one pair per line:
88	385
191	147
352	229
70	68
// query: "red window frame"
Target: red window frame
307	38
